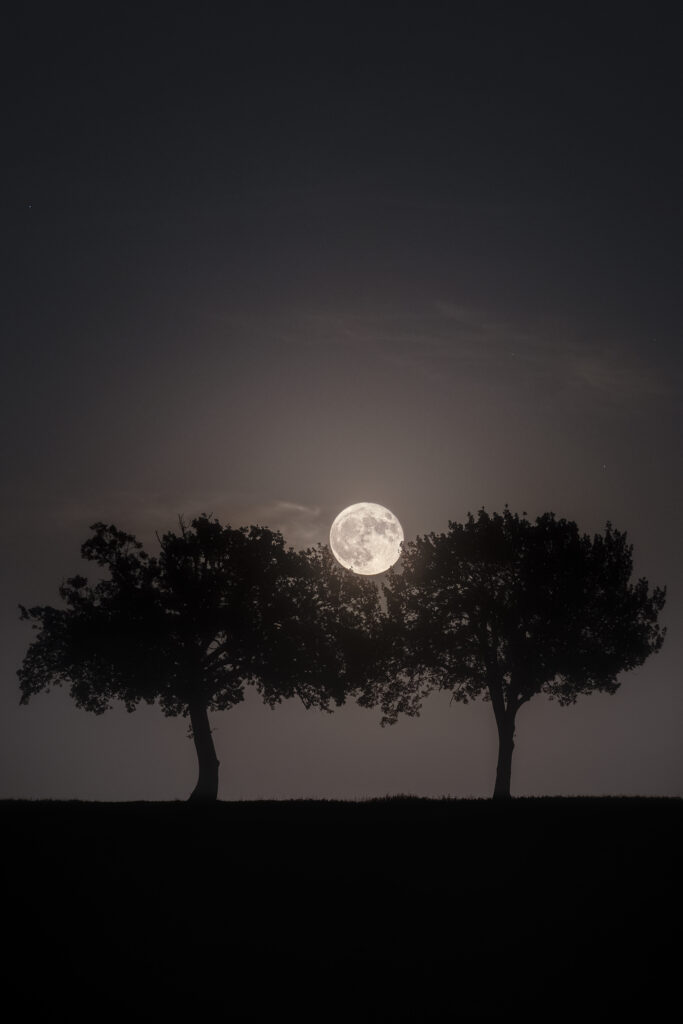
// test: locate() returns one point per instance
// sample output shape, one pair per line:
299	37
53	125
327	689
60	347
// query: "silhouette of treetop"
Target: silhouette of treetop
218	609
503	608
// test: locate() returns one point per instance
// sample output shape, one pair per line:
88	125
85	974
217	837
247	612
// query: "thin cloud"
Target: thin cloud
301	525
449	343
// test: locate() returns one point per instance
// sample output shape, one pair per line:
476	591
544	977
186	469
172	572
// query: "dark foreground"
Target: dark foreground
395	909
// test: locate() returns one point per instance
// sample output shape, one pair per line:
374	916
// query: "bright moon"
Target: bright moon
366	538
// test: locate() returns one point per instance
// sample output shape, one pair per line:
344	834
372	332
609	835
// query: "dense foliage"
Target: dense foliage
504	609
217	610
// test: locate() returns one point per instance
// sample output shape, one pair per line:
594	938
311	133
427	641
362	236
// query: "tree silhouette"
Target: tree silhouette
504	609
217	610
321	642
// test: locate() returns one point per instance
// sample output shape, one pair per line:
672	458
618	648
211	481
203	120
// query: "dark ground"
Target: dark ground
383	910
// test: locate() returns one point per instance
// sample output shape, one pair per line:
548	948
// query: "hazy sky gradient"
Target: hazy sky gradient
267	264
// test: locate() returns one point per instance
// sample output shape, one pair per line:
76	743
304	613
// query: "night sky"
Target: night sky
268	262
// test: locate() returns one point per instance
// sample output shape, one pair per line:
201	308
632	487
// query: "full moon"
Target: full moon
366	538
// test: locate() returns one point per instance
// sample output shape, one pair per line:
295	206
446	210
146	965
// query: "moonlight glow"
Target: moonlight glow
366	538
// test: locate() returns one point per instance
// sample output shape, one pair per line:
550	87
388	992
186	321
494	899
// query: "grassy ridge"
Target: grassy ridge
342	910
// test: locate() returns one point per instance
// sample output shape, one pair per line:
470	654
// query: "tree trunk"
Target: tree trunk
206	790
506	744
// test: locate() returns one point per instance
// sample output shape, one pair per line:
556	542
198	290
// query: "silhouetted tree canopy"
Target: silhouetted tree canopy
504	609
218	609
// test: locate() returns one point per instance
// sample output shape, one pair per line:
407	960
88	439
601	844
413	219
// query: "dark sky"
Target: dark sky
267	263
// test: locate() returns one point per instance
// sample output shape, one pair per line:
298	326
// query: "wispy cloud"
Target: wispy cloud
453	343
301	525
456	341
144	515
